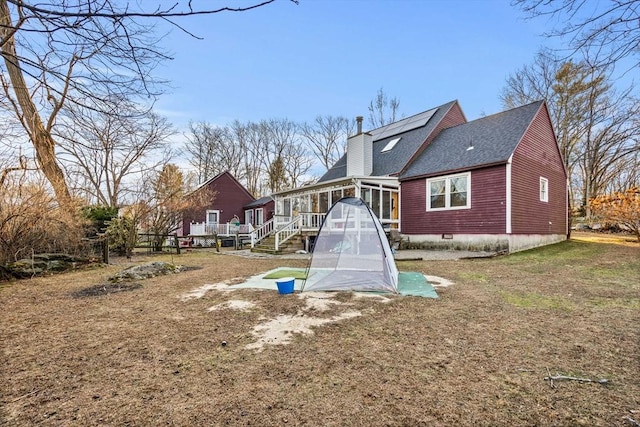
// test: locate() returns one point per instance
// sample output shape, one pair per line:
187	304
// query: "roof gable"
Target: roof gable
485	141
226	175
411	139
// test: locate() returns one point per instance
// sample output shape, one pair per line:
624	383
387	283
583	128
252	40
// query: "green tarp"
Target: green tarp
409	283
415	284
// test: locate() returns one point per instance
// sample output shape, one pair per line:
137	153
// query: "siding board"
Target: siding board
536	156
486	216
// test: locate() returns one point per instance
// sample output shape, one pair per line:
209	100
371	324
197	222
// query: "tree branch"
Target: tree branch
166	13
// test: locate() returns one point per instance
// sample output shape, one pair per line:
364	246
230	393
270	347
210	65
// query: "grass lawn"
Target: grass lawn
173	351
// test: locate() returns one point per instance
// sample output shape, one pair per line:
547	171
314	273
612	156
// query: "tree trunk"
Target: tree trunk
40	136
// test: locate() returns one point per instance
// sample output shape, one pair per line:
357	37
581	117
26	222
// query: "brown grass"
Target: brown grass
476	356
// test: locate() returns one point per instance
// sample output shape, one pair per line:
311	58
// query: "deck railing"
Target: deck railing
284	227
287	231
227	229
311	220
261	232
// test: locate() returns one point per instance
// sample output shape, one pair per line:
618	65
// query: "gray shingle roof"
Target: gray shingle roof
494	138
338	170
260	202
394	160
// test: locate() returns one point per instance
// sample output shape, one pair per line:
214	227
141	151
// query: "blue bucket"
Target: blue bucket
285	285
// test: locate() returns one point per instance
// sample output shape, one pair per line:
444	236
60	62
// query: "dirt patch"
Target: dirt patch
280	330
235	304
438	282
478	355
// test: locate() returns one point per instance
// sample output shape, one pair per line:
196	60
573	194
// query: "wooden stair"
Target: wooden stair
268	245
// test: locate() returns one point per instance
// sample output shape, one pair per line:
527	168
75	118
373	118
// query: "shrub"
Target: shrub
31	222
99	217
123	235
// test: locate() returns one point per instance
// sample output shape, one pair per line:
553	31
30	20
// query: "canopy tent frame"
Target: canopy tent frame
351	252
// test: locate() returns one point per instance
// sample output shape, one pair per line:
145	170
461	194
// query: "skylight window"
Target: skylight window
390	145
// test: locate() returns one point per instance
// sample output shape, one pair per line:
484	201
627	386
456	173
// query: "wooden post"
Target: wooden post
175	236
215	240
105	251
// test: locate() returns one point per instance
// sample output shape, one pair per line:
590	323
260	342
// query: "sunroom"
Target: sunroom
308	205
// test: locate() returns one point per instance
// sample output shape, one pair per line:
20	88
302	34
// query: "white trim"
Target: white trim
508	196
259	214
544	185
447	192
339	182
215	211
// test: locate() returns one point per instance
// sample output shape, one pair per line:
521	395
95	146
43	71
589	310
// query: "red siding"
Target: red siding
537	156
453	117
230	197
268	209
486	216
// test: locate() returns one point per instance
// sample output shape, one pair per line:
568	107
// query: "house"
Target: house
369	169
495	183
226	206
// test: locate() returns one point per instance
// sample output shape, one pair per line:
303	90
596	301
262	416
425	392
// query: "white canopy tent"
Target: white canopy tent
351	252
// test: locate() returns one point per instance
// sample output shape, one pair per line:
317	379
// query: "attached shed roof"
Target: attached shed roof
411	138
260	202
485	141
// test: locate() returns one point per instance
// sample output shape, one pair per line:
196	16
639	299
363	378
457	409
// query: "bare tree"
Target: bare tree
383	110
255	137
166	202
266	156
200	150
628	175
607	26
81	52
213	150
283	146
327	138
22	164
105	152
611	141
297	164
564	86
29	221
596	126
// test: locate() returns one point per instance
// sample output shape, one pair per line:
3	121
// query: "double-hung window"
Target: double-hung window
544	189
449	192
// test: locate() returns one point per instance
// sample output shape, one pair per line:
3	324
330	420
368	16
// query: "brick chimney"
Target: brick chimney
360	152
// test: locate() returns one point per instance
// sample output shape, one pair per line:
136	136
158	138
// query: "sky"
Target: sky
330	57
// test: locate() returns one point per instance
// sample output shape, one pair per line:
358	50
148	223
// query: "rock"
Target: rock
145	271
44	263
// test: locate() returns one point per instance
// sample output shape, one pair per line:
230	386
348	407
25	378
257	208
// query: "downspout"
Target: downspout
508	195
399	211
